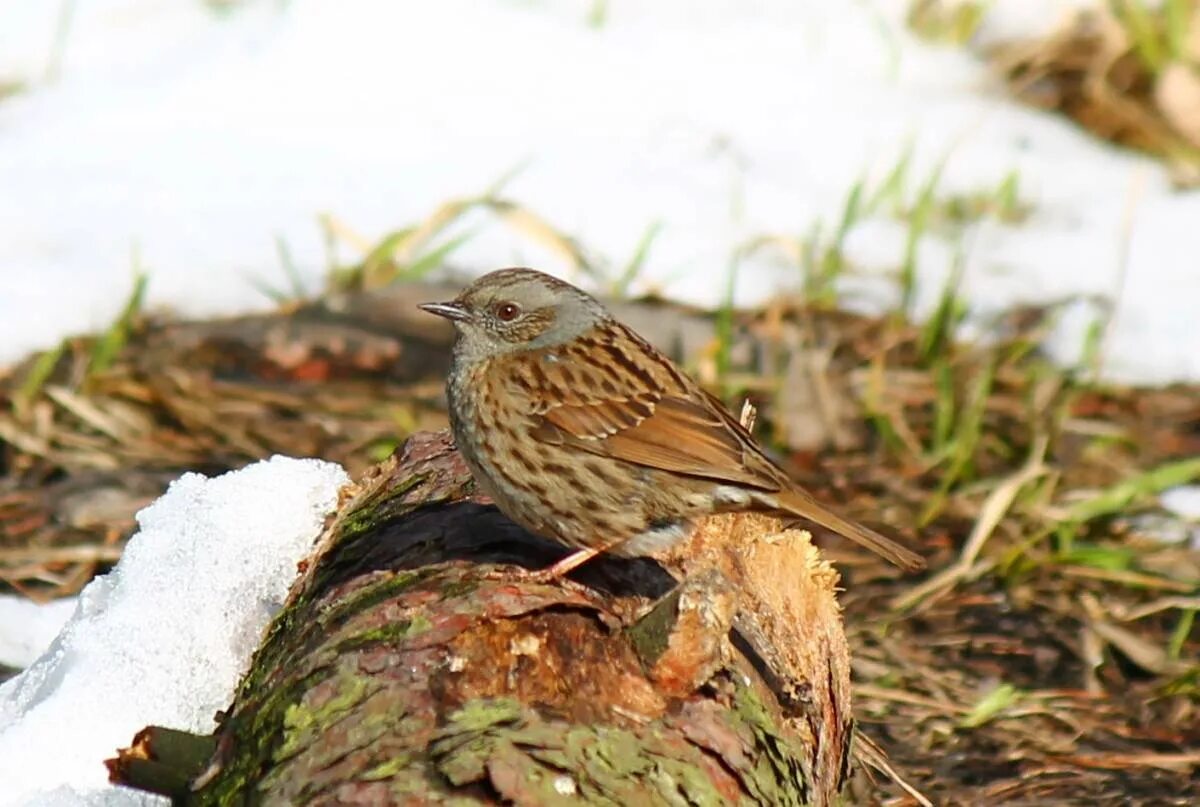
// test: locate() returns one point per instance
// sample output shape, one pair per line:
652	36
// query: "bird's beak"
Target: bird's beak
451	311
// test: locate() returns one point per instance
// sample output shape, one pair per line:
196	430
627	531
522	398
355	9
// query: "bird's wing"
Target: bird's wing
677	435
616	396
685	438
638	408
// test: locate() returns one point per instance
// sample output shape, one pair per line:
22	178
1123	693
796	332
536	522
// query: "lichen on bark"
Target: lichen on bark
411	666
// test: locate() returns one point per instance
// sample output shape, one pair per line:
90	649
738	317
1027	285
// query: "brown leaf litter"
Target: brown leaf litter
1050	660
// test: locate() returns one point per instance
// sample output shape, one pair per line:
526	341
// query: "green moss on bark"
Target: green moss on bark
359	692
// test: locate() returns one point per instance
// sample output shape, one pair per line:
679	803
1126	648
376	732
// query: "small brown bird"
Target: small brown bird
581	431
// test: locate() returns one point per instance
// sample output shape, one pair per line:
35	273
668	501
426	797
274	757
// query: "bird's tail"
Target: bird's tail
797	502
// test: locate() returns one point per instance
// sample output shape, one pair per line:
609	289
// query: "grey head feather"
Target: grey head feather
550	312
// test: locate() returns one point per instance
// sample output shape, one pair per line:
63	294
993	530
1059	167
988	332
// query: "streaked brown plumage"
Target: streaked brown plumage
582	431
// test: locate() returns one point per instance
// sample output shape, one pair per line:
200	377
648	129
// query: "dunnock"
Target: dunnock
581	431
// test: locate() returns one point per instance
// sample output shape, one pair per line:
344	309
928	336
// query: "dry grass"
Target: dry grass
1128	71
1047	657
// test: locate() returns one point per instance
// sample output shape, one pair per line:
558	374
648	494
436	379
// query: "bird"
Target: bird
581	431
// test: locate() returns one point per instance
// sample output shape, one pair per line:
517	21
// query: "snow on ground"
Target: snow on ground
27	628
166	635
1183	501
193	138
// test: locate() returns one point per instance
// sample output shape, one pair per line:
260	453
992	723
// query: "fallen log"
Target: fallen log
413	665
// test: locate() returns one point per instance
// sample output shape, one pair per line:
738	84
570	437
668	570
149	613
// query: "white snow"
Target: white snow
194	139
165	636
27	627
1183	501
186	141
1027	19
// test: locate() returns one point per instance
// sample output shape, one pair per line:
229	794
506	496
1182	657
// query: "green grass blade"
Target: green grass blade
432	259
944	406
1008	198
852	212
638	261
1111	558
379	267
990	705
494	190
811	257
892	188
1177	18
108	346
1121	495
1179	636
964	442
918	222
724	319
39	374
290	270
598	14
938	332
1140	26
273	293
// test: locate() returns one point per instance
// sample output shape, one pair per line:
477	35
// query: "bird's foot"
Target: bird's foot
548	574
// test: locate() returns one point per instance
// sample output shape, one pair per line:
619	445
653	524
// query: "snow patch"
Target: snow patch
194	139
164	637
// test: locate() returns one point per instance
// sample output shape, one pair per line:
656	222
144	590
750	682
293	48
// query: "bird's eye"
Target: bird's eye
507	312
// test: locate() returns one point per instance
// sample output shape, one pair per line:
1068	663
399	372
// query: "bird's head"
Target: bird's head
517	309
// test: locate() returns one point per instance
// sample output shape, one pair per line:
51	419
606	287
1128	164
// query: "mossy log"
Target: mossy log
412	665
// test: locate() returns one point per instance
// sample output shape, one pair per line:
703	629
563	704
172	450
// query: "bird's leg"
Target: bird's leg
563	566
550	573
555	570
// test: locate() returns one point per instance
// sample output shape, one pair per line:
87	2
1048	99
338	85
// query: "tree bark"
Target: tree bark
412	665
